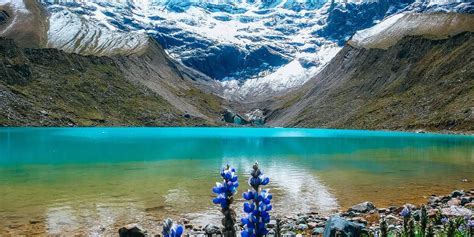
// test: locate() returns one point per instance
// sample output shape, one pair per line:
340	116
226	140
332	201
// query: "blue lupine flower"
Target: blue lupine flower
461	228
257	206
444	220
225	192
405	212
467	218
470	224
227	188
171	230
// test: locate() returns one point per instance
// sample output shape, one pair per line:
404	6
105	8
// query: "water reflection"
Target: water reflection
95	180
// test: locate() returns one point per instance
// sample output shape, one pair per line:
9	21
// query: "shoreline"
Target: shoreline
363	218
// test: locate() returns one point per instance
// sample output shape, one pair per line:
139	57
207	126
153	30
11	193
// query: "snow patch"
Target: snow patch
364	35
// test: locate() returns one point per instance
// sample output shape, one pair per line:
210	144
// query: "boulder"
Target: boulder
466	200
302	227
457	193
363	207
456	211
317	231
338	226
212	229
132	230
454	202
272	224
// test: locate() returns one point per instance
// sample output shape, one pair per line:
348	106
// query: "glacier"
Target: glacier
254	48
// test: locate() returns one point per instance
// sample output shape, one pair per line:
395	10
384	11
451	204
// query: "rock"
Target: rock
434	200
302	227
432	213
469	205
349	214
466	200
132	230
289	226
272	224
317	231
410	206
416	215
383	210
457	193
312	225
34	222
392	219
302	220
363	207
337	224
359	220
187	116
454	202
456	211
188	226
288	233
212	230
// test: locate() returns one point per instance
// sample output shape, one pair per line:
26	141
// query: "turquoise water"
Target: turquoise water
92	180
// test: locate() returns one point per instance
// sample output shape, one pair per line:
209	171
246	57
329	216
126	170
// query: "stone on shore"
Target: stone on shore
363	207
212	229
342	227
132	230
317	231
456	211
457	193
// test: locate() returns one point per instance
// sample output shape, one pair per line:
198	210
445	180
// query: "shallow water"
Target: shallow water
94	180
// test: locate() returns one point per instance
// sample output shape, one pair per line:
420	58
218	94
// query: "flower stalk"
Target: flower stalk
257	206
225	197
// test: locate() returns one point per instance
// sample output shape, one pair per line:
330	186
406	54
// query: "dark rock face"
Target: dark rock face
338	226
363	207
344	21
231	117
457	193
132	230
14	66
4	16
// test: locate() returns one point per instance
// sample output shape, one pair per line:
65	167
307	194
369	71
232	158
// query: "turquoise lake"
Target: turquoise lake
94	180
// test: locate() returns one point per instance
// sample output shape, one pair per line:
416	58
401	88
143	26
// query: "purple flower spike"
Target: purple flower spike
225	192
258	205
405	212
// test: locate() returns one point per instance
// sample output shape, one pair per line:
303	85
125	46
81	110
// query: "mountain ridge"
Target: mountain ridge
389	89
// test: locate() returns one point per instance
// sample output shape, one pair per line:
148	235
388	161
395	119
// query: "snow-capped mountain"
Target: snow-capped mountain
254	47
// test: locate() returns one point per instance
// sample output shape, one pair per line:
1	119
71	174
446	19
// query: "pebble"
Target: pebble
272	224
302	227
457	193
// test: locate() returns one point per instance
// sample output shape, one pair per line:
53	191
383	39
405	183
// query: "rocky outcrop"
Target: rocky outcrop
337	226
363	207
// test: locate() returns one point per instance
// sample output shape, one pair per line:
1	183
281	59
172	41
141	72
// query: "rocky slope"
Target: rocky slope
416	83
413	70
128	59
25	21
48	87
